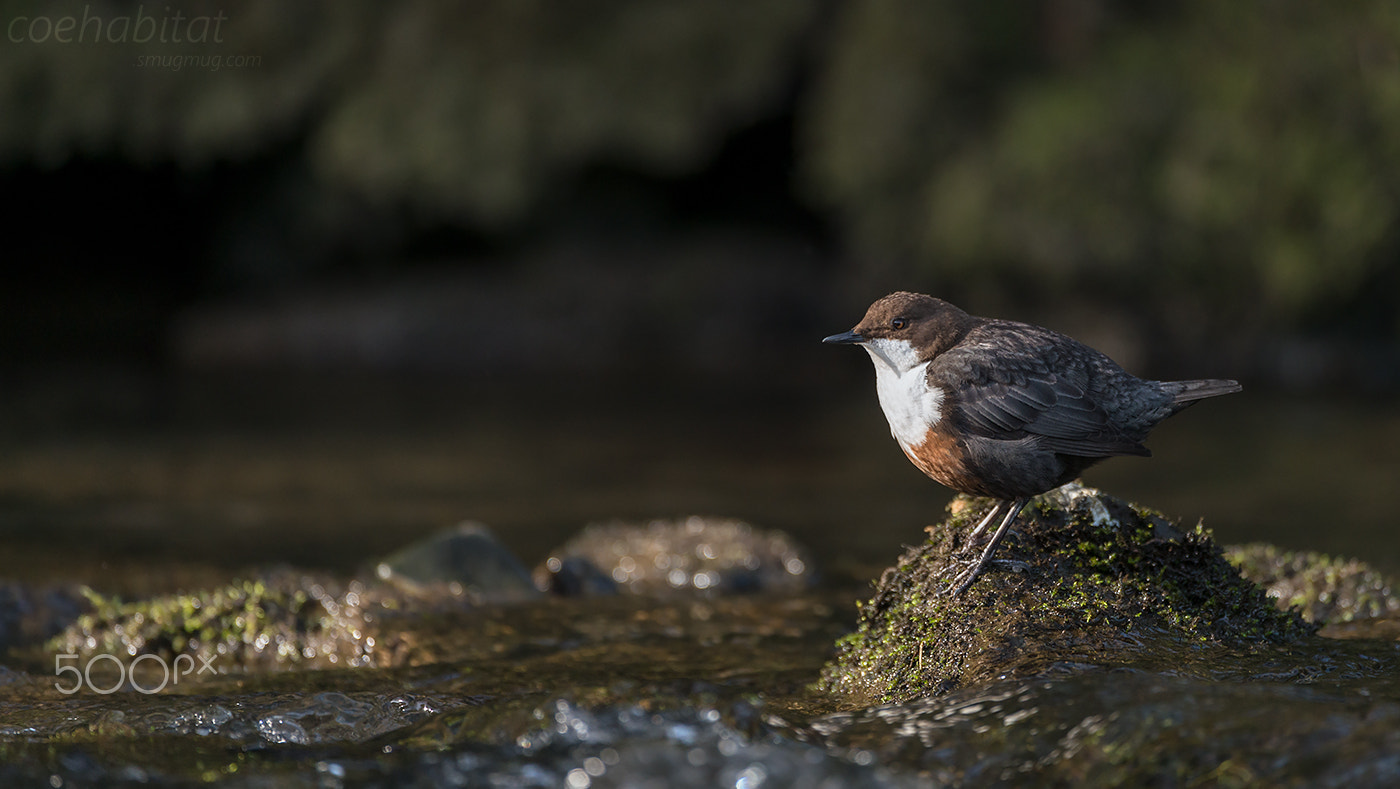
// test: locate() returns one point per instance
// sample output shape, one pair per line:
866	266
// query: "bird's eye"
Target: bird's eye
897	323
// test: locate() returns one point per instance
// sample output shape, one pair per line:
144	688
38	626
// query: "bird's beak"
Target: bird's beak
844	338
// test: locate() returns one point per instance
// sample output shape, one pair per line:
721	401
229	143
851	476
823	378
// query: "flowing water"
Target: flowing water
224	479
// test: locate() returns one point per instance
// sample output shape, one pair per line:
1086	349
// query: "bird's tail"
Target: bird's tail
1187	392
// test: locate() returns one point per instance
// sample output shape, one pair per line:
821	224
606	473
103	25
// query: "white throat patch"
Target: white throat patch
910	404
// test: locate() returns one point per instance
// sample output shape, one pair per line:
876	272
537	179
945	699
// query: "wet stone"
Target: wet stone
466	559
696	554
31	615
279	620
286	619
1098	581
574	576
1324	589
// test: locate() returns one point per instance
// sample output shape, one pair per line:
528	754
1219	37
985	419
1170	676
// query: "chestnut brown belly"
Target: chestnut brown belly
1003	469
945	459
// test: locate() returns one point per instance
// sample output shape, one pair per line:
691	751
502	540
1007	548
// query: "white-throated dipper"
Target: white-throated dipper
1005	409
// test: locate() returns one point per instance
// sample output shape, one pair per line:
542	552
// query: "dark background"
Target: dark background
426	214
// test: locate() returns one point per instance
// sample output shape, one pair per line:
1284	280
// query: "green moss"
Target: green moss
281	619
1323	588
1103	576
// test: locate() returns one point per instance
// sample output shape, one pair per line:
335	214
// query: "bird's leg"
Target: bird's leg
986	520
1013	509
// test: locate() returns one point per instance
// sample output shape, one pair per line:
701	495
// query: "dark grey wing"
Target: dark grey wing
1007	389
1054	410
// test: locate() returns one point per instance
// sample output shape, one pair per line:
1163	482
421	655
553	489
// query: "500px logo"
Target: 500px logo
169	675
139	28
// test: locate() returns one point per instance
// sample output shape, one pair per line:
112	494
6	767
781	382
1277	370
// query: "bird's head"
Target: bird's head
903	330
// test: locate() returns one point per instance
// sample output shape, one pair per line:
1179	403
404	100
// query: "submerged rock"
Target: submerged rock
574	576
1323	588
1097	577
1114	728
30	615
633	745
464	560
704	554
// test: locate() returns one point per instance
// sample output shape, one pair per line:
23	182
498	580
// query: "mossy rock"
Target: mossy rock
695	554
278	620
1101	581
1325	589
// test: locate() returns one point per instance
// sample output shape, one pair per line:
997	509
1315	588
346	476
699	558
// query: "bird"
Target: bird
1005	409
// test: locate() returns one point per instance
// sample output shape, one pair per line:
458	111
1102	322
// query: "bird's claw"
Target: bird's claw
973	572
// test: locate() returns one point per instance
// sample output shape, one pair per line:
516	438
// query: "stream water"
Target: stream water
230	479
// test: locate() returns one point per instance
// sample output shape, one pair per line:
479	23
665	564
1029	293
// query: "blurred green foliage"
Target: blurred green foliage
1238	157
460	108
476	106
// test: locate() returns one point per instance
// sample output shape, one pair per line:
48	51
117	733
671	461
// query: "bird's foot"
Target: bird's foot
968	576
973	541
987	519
963	580
1014	565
